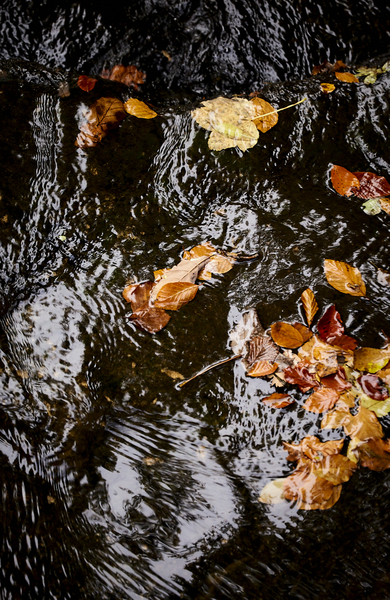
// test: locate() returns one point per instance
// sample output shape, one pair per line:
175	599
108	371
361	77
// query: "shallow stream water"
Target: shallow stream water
114	482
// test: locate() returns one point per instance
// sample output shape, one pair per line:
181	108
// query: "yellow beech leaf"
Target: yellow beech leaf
371	359
344	278
139	109
347	77
335	418
309	304
327	88
217	264
286	335
172	296
262	107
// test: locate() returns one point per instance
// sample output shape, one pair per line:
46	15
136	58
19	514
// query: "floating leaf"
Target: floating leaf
217	264
259	348
311	447
347	77
104	114
309	304
321	401
138	294
272	493
175	295
380	407
385	204
86	83
286	335
327	88
301	376
185	272
371	359
205	249
262	107
139	109
304	331
278	400
363	426
335	418
337	381
375	454
372	386
129	76
330	326
344	278
384	374
262	368
372	207
307	490
343	180
371	186
335	468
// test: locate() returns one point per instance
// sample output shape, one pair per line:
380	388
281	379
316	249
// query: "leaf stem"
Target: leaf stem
217	364
279	109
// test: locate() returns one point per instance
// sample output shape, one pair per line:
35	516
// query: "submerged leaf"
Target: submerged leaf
104	114
278	400
86	83
126	75
330	326
309	304
150	319
344	278
272	493
139	109
248	327
311	447
375	454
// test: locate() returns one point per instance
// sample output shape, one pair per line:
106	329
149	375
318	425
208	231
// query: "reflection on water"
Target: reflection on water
115	484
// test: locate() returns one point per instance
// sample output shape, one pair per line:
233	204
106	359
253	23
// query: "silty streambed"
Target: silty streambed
115	484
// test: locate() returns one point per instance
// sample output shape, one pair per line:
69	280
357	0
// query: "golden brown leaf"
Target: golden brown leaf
375	454
172	374
347	399
172	296
384	374
262	368
286	335
344	278
335	418
321	400
304	487
262	107
138	294
343	180
309	304
126	75
186	271
104	114
205	249
139	109
363	426
217	264
371	359
347	77
327	88
385	204
335	468
311	447
304	331
278	400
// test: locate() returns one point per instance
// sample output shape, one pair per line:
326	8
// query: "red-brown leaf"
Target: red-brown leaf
127	75
86	83
344	181
104	114
375	454
278	400
371	186
322	400
345	342
301	377
337	381
150	319
330	326
373	387
138	294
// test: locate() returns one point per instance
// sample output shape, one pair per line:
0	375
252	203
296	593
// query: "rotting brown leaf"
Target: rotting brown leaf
344	278
103	115
129	76
309	304
150	319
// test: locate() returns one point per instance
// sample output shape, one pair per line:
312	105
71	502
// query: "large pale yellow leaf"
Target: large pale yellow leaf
371	359
309	304
139	109
172	296
262	107
344	278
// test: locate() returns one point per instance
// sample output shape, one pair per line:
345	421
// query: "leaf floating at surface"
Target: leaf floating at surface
335	418
304	331
278	400
372	207
321	400
172	374
104	114
286	335
337	381
186	271
385	205
327	88
335	468
371	359
262	107
347	77
370	186
217	264
330	326
262	368
86	83
139	109
363	426
309	304
173	296
343	180
344	278
372	386
205	249
312	448
301	376
138	294
129	76
380	407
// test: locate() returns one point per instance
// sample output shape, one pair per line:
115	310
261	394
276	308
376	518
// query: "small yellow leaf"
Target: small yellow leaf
309	304
344	278
139	109
347	77
327	88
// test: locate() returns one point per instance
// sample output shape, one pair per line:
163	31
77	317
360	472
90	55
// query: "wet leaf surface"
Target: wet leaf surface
278	400
309	304
347	77
261	368
371	359
86	83
373	387
321	400
371	186
301	376
344	278
363	426
344	181
139	109
129	76
262	107
375	454
286	335
103	115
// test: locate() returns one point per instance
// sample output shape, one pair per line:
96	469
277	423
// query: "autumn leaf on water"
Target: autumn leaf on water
363	426
321	400
272	492
139	109
86	83
344	278
371	186
375	454
286	335
129	76
344	181
335	418
312	448
371	359
331	330
262	368
262	107
309	304
327	88
372	386
103	115
347	77
278	400
301	376
144	315
337	381
328	67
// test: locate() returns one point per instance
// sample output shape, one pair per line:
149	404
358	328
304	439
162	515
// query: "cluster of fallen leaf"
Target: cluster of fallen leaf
365	185
370	74
175	287
341	377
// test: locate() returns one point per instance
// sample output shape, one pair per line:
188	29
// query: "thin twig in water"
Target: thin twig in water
217	364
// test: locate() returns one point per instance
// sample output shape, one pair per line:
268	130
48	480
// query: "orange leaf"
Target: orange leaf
304	331
321	400
262	368
262	107
363	426
327	88
138	294
302	486
385	205
312	448
309	304
286	335
172	296
375	454
278	400
335	468
104	114
347	77
150	319
343	180
205	249
86	83
139	109
335	418
344	278
126	75
217	264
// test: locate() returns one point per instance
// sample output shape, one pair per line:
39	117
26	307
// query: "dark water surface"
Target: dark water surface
115	484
